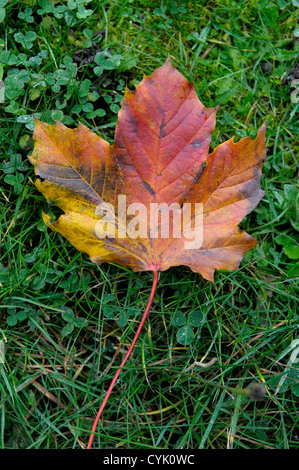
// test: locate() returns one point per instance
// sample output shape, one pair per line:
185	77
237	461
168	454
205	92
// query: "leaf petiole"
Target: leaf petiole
144	316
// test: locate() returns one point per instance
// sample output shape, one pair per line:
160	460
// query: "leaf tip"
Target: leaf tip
46	219
262	129
168	60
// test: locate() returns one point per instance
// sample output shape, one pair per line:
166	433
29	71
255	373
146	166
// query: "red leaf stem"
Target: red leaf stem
144	316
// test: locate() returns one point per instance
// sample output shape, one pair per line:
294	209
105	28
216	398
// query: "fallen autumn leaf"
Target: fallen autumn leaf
159	160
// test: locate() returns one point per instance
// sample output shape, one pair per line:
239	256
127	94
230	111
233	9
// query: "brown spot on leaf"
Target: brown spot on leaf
196	143
148	188
199	173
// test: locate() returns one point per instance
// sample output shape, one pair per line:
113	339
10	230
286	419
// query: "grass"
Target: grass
65	322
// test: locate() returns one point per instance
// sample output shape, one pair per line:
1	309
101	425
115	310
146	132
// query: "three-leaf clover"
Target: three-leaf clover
185	333
25	39
71	321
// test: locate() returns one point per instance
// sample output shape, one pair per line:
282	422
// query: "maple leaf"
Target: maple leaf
159	156
159	160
